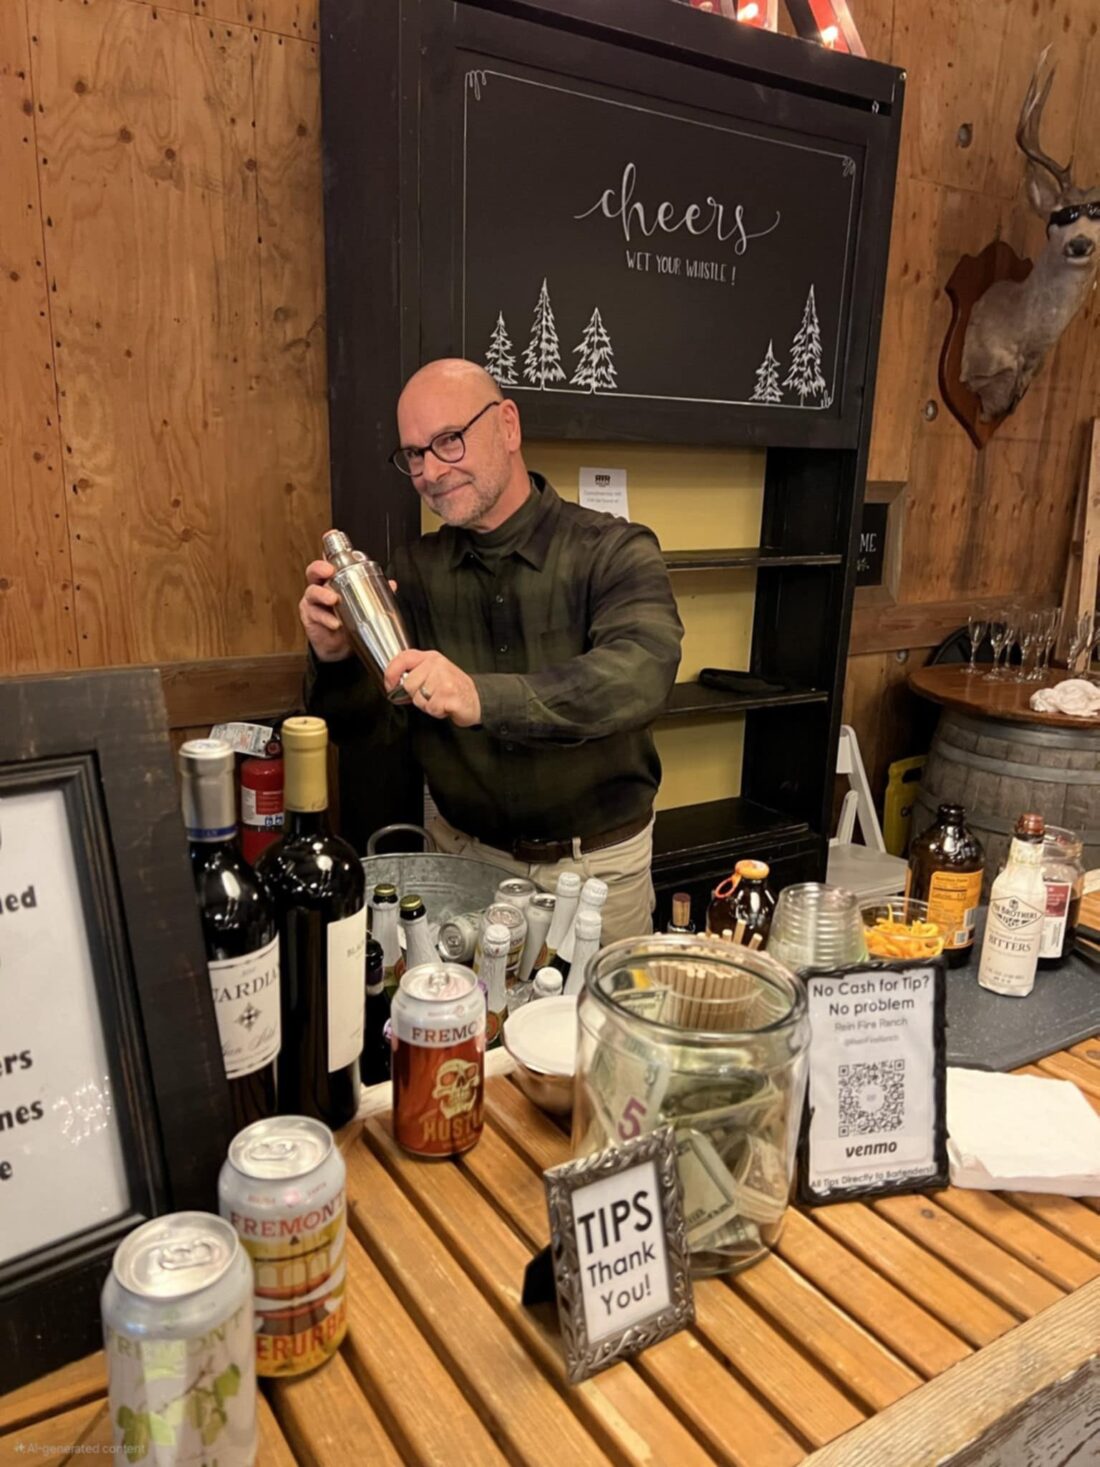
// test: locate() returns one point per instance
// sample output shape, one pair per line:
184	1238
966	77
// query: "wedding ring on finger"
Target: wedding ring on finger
425	693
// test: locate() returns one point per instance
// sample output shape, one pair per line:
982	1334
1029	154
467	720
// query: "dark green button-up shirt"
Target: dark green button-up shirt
565	620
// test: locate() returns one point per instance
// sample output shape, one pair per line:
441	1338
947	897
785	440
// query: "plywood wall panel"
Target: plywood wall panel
171	388
37	629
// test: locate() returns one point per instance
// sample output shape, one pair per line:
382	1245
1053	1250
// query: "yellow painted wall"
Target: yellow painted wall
692	499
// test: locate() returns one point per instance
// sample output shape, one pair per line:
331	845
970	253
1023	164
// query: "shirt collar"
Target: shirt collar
535	546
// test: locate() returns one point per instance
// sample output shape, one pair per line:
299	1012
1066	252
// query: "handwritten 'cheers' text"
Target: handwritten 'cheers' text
620	204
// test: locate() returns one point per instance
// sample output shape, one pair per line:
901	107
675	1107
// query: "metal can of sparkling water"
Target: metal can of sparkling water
504	914
438	1027
458	937
181	1356
283	1188
517	891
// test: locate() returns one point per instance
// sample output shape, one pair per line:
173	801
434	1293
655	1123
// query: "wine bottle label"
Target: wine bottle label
246	1001
1054	919
953	901
347	958
263	808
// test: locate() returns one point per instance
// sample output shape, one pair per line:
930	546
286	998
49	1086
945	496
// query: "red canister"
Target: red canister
261	806
437	1023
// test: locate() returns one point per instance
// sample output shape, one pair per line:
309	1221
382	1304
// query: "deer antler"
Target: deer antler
1027	130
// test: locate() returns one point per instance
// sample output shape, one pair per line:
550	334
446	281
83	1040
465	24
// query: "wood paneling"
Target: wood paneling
991	527
37	631
179	163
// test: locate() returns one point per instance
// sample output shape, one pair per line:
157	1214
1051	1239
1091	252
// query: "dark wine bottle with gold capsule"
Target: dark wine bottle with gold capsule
320	895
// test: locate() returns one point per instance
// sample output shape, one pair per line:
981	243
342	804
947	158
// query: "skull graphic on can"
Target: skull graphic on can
438	1028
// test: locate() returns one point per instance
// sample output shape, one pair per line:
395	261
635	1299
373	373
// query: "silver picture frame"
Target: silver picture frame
583	1357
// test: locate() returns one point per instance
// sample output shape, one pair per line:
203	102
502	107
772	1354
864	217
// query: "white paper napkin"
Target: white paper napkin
1022	1134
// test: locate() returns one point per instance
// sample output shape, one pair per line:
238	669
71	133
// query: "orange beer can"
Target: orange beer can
437	1024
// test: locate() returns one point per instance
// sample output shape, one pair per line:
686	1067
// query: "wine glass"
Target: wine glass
1028	632
1080	633
1049	623
1094	643
975	630
998	628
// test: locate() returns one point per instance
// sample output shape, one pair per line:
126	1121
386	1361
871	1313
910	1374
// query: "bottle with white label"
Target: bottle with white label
238	928
320	897
1017	905
383	928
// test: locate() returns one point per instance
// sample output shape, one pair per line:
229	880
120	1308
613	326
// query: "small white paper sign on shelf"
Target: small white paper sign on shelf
619	1251
605	489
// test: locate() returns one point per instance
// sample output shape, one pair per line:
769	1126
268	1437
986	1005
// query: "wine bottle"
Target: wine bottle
547	983
593	897
565	909
374	1062
320	896
587	942
238	928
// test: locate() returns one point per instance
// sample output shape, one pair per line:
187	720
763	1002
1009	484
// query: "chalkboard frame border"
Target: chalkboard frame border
101	739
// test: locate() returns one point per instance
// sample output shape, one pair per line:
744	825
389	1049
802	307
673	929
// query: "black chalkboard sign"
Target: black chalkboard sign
651	251
871	559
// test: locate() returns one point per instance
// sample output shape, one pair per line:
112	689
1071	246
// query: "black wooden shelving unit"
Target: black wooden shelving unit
397	79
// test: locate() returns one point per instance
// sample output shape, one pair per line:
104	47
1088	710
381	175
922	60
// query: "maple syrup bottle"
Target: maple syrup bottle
946	864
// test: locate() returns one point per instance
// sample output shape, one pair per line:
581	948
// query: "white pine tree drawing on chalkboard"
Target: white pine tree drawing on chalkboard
594	370
767	387
805	375
542	359
500	359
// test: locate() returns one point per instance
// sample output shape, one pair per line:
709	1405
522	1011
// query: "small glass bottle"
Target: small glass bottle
1063	873
681	913
946	865
374	1062
419	948
1017	905
743	905
383	928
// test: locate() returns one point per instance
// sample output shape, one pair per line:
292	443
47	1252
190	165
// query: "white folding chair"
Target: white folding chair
867	868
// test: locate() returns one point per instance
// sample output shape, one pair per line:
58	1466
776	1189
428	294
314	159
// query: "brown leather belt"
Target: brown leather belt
546	852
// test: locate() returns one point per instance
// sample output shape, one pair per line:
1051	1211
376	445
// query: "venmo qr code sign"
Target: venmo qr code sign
877	1082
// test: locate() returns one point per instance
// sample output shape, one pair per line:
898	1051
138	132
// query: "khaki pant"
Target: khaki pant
625	867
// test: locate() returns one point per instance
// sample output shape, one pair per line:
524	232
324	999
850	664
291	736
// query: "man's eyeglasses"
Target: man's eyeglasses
1072	212
448	447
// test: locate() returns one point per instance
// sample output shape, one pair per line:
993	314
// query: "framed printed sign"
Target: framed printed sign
113	1104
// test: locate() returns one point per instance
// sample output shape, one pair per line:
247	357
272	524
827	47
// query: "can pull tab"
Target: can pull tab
273	1150
186	1255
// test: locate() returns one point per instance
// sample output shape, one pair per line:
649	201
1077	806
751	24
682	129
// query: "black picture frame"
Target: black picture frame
810	1197
100	738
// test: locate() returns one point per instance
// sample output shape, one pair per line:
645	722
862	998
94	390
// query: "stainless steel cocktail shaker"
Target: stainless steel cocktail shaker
367	607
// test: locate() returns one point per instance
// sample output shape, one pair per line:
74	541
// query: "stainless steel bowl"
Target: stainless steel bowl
448	885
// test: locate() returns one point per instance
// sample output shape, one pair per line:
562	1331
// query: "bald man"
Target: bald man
545	640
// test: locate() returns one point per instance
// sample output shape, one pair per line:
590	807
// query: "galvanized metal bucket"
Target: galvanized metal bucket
447	884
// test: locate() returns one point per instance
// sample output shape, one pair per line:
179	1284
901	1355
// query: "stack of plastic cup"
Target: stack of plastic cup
817	926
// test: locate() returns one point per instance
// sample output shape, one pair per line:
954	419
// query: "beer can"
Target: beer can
181	1359
438	1027
504	914
282	1187
458	937
516	891
539	911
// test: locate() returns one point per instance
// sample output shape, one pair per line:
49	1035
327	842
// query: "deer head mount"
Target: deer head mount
1016	322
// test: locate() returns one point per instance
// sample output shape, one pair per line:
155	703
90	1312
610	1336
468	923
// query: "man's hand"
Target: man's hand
436	686
317	609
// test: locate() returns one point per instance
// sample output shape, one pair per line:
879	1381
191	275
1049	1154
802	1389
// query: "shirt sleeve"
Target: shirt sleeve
622	681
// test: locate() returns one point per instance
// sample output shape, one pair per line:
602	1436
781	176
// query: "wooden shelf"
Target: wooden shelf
721	823
758	556
693	698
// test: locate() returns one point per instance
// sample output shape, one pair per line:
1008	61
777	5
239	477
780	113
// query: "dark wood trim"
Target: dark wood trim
909	625
229	688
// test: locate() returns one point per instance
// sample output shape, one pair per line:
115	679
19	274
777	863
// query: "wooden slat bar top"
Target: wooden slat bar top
891	1331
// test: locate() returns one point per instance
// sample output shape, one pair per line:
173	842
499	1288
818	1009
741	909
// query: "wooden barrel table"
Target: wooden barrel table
998	757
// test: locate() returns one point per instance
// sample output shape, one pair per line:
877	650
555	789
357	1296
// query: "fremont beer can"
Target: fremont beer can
181	1357
504	914
438	1027
283	1189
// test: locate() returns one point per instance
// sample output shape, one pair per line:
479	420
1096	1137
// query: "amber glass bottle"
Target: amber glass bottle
743	905
946	864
